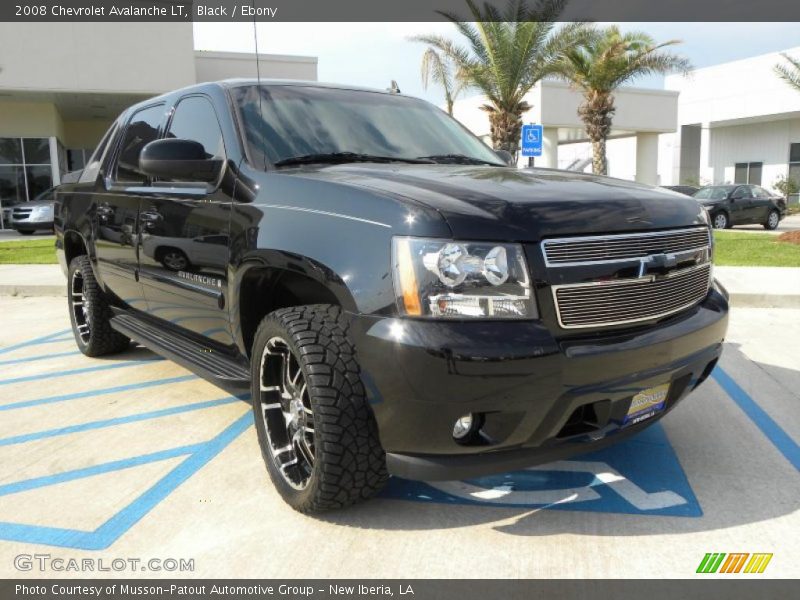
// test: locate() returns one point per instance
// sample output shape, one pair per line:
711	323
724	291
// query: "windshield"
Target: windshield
45	195
301	121
719	192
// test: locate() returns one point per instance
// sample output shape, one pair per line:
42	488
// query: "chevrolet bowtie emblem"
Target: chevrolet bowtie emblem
658	261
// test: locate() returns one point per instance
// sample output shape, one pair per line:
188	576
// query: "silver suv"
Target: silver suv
36	214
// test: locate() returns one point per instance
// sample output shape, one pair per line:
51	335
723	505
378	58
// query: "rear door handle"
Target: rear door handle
104	211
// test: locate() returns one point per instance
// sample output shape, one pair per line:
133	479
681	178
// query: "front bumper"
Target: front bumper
541	398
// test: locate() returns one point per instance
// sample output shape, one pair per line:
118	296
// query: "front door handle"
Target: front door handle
150	219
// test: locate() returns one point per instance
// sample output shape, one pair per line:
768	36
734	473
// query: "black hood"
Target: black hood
498	203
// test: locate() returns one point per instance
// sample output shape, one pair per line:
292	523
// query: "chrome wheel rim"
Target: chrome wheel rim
720	221
773	220
80	307
286	412
174	261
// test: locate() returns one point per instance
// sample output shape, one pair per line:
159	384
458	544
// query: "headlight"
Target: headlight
458	280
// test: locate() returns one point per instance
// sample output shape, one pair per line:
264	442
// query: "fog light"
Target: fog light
463	426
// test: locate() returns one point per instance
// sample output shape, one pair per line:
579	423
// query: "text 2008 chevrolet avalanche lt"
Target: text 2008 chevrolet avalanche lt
395	297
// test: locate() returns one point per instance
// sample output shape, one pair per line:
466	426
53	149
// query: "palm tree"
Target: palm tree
600	65
790	73
506	53
440	69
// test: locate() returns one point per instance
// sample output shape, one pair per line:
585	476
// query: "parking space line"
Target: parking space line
117	465
98	392
116	365
774	432
122	521
155	414
38	357
40	340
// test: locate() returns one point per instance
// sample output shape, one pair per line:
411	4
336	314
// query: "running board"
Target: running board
218	368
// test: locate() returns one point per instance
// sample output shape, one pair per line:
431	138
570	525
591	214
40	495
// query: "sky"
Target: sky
372	54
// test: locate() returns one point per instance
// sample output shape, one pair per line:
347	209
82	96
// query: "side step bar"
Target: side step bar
216	367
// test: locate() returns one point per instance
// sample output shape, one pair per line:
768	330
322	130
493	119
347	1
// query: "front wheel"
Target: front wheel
89	312
772	220
317	433
720	221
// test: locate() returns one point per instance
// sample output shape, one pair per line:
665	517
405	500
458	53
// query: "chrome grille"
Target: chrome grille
617	302
628	246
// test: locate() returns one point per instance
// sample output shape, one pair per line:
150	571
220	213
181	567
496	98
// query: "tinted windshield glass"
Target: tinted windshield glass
299	121
714	193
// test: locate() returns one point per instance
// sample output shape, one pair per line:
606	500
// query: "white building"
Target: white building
738	123
61	86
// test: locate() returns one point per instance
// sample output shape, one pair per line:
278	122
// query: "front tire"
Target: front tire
773	219
317	433
89	312
721	221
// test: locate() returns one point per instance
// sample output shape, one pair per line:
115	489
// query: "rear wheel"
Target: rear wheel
720	220
89	312
318	436
772	220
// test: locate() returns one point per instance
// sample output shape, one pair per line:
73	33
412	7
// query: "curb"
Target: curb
737	300
741	300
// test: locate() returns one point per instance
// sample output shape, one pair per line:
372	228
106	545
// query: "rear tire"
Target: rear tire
317	433
773	219
89	312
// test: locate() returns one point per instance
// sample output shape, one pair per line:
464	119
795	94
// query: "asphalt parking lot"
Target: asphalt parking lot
134	457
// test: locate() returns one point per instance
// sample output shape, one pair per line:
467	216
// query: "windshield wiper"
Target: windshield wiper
346	157
459	159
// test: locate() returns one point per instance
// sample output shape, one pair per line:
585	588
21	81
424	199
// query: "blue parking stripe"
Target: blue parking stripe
117	465
156	414
38	357
779	438
98	392
40	340
131	514
117	365
116	526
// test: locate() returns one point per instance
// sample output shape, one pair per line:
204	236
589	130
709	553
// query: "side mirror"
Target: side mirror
506	157
178	160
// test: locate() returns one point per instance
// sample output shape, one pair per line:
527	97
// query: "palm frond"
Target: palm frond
790	72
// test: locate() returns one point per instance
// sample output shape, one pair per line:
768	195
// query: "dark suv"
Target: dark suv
394	297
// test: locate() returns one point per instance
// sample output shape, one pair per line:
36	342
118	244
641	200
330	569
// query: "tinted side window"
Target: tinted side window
760	192
742	191
142	129
195	120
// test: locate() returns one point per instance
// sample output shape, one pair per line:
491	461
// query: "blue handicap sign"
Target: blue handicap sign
531	140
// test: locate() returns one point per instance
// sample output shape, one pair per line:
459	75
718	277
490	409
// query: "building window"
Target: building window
794	165
77	157
25	170
748	173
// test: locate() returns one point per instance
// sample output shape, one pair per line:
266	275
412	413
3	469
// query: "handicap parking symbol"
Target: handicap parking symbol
639	476
531	140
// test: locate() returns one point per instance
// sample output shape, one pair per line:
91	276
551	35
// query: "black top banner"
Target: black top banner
391	10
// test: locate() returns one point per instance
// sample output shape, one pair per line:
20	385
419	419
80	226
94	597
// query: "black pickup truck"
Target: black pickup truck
395	298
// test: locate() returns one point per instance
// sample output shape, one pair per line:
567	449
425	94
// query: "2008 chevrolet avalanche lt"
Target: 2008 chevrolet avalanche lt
395	297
